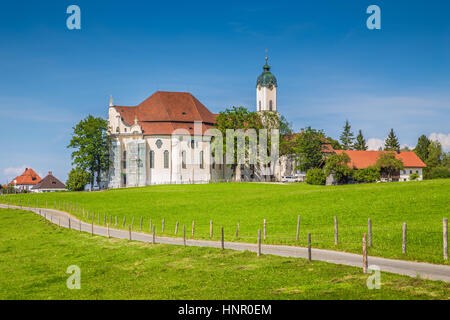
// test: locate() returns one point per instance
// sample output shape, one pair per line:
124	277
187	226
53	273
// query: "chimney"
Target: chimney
50	173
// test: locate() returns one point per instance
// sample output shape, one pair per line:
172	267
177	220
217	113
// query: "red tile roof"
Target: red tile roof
163	112
364	159
29	177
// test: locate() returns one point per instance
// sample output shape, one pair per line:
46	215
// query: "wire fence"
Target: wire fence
414	241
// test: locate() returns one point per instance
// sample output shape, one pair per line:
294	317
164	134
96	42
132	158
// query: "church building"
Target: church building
144	151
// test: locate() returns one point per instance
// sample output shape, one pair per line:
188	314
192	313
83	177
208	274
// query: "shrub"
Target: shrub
414	176
338	165
439	173
315	176
369	174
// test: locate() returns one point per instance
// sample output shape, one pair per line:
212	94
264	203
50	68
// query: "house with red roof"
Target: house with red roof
28	179
363	159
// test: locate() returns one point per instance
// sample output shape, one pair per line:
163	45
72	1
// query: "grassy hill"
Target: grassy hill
36	254
422	205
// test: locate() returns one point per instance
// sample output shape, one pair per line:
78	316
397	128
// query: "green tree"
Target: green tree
360	144
78	179
315	176
308	149
334	143
338	166
421	148
391	143
435	154
414	176
347	137
91	143
389	164
369	174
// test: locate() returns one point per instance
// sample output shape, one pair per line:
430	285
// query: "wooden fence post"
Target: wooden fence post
176	228
259	243
69	223
141	223
369	227
237	231
222	239
404	238
445	237
124	220
193	228
336	231
298	229
107	230
265	225
132	222
365	264
309	246
154	235
59	221
184	235
211	229
92	228
162	226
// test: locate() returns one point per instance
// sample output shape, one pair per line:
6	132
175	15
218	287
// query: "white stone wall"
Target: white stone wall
406	172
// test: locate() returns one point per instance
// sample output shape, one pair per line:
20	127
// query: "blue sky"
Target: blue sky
329	66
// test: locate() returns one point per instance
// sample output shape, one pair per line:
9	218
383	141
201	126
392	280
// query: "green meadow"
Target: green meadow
35	255
421	204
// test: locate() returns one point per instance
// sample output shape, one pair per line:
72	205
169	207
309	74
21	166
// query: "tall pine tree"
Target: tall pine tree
391	143
360	142
347	137
421	148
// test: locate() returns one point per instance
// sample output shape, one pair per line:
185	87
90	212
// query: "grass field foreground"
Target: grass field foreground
422	205
35	255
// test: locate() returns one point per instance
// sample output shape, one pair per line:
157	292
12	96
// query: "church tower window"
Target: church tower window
270	105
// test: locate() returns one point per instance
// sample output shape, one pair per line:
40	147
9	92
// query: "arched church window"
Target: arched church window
270	105
201	160
117	129
259	109
152	159
166	159
183	159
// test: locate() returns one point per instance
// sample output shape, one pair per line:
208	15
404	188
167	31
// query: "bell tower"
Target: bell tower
266	90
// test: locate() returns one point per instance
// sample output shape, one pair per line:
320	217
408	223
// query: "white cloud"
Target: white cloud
14	172
375	144
443	138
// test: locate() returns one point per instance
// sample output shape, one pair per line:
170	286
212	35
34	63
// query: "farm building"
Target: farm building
49	184
28	179
363	159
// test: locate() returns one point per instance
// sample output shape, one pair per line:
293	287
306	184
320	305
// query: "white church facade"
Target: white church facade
166	140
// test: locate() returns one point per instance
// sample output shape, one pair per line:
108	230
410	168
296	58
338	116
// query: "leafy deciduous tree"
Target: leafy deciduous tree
338	165
91	143
78	179
389	164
